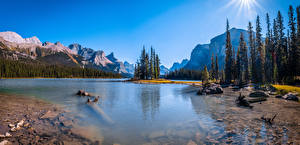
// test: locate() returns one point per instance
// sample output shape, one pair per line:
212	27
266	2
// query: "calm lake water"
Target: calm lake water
131	113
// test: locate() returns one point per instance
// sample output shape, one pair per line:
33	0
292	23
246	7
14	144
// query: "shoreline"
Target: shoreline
43	123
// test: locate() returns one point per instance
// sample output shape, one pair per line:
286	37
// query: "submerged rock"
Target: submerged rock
291	96
82	93
258	94
49	115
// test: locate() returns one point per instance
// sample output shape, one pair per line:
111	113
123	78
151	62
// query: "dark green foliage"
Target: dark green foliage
252	53
22	69
242	62
268	52
147	66
212	68
281	49
217	68
292	57
260	60
183	74
228	58
297	48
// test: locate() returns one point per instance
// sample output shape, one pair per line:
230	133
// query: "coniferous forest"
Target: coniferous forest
274	58
147	67
18	69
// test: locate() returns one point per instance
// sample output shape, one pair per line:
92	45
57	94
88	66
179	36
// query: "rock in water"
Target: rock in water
291	96
258	94
210	89
82	93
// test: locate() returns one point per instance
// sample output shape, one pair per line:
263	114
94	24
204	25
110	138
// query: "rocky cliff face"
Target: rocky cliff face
16	38
163	70
201	54
14	46
98	58
177	65
129	67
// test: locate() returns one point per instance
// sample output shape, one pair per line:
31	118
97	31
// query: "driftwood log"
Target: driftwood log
241	101
269	120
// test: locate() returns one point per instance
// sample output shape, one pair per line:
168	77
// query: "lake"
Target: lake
131	113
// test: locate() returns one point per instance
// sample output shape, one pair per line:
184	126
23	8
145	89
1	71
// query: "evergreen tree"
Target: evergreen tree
252	53
205	75
268	51
297	51
233	67
152	73
260	53
292	58
228	59
212	68
157	62
216	68
281	49
238	72
275	50
243	61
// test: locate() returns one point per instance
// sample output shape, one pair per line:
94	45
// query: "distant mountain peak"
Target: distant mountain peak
178	65
16	38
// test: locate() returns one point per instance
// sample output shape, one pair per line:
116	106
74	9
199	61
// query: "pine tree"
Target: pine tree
275	51
268	49
152	63
233	67
212	68
243	56
228	59
281	49
292	57
216	68
260	53
205	75
157	62
297	51
252	53
238	72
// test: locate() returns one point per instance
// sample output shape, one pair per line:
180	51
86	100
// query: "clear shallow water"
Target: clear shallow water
140	113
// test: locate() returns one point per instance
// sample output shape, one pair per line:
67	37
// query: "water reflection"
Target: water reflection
149	96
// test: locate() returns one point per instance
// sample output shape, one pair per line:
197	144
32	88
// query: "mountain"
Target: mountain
163	70
129	67
178	65
14	47
201	54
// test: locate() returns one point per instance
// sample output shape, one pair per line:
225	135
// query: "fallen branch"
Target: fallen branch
269	120
241	101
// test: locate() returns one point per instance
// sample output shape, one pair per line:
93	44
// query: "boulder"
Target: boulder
258	94
210	89
82	93
291	96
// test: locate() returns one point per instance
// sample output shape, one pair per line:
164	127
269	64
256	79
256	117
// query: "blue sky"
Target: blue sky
172	27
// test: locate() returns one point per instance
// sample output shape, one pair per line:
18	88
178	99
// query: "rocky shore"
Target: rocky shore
33	121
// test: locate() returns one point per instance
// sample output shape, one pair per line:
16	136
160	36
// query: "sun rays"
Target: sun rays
245	8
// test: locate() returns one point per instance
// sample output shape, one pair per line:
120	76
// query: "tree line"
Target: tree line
18	69
147	67
273	60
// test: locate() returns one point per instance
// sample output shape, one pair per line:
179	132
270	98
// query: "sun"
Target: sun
244	8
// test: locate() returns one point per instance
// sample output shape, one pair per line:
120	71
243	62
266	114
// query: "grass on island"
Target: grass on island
165	81
284	89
